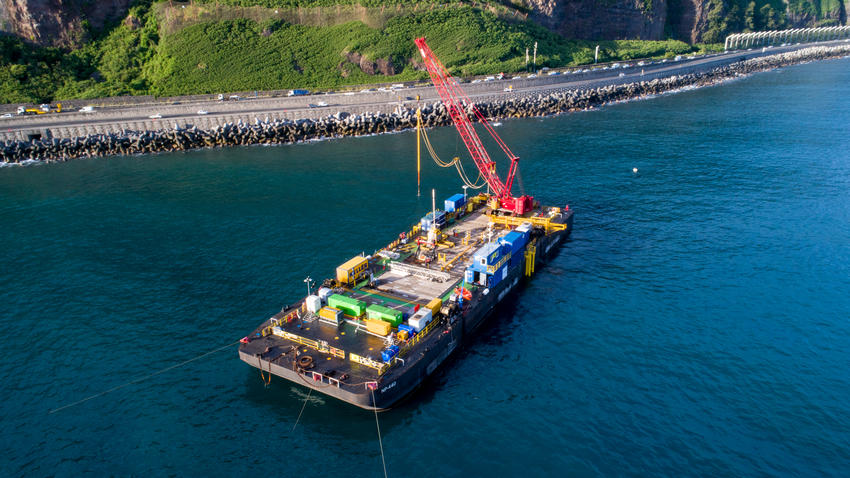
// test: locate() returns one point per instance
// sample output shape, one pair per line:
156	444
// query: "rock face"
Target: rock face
57	22
688	19
61	22
803	14
602	20
382	66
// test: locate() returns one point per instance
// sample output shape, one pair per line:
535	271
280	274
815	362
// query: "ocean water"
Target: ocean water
696	324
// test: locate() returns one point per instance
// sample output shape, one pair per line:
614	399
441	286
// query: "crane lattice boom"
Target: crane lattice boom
457	103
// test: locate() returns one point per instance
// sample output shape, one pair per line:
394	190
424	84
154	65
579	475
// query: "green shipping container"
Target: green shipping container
384	313
352	307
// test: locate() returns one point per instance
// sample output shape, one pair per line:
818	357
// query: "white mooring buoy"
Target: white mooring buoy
634	170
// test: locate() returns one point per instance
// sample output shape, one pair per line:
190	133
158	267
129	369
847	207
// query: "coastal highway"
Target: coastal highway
184	111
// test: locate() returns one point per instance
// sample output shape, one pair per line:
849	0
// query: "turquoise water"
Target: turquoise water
697	323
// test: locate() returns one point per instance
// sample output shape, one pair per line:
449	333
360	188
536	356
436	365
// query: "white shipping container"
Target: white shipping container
324	292
314	303
420	319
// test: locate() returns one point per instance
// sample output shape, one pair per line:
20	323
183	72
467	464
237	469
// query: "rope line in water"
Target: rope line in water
380	442
141	379
302	410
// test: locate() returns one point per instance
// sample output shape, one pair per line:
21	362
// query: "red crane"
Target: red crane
457	103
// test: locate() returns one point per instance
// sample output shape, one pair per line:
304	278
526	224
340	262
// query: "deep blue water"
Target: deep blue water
697	323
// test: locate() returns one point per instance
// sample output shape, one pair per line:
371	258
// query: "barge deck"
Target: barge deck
373	333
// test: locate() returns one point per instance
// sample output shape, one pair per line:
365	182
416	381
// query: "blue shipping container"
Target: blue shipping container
455	202
516	240
498	276
487	255
410	330
427	220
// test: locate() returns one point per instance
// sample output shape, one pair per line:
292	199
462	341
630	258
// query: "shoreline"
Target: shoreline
343	124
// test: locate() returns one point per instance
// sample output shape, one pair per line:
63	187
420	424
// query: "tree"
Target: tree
717	22
750	17
769	18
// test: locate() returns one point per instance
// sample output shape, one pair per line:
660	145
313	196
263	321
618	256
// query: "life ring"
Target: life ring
305	361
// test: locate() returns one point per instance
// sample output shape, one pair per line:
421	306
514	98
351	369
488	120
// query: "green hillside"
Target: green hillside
218	48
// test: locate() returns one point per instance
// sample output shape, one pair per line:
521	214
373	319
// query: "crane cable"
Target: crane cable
454	162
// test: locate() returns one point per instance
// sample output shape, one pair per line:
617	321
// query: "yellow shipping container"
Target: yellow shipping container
330	313
378	326
402	335
435	305
352	270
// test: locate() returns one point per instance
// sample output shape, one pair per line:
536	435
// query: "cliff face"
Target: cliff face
602	20
688	19
57	22
65	22
803	13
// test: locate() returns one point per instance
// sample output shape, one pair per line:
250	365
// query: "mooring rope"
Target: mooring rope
454	162
263	377
380	442
302	410
141	379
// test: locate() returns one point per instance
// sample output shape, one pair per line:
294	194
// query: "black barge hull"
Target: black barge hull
270	356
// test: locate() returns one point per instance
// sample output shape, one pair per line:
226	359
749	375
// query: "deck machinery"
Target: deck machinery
386	321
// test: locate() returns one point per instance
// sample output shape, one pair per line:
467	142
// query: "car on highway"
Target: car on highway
87	109
202	112
477	80
7	115
490	78
155	116
321	103
533	75
554	73
518	77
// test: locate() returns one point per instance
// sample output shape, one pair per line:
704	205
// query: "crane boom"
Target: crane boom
457	104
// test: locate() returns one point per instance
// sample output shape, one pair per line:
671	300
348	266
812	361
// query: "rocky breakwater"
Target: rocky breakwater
344	124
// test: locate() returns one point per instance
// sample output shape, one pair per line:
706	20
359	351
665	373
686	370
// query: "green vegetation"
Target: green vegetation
731	16
239	54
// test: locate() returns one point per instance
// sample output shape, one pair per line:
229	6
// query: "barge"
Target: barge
372	334
385	322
